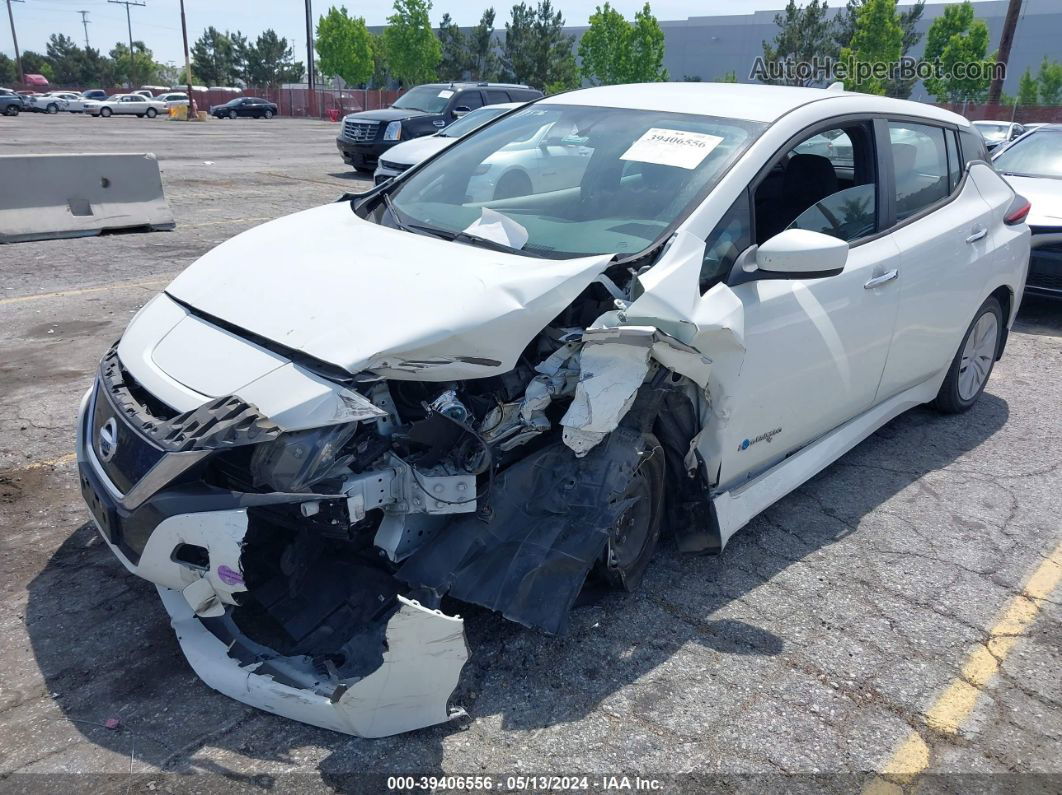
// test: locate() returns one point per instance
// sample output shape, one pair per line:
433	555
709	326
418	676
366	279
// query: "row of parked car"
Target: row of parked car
142	103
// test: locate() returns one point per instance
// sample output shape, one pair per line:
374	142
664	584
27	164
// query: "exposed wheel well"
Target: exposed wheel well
1005	297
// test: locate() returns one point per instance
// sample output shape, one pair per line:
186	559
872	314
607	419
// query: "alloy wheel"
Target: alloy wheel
977	356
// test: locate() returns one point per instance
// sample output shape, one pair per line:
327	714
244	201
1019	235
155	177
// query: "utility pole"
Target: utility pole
1006	39
310	110
129	24
85	24
187	66
14	38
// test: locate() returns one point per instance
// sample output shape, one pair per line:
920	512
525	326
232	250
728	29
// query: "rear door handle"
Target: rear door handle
977	235
884	278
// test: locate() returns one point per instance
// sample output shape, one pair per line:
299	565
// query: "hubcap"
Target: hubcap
977	356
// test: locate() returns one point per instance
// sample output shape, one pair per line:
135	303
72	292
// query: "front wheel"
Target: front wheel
152	113
53	108
972	365
232	114
105	112
268	114
12	110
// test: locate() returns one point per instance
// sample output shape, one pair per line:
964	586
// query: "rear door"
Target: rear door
942	230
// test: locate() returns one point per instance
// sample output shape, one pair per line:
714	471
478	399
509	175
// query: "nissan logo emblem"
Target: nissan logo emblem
108	442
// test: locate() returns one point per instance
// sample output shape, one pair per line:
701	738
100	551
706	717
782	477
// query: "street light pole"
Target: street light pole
187	65
309	59
1006	39
129	24
85	24
14	38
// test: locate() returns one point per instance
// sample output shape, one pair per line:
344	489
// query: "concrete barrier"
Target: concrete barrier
53	196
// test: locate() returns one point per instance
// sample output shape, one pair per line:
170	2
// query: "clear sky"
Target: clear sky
158	24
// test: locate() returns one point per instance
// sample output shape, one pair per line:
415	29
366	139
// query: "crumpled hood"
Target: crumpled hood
411	152
366	297
1045	194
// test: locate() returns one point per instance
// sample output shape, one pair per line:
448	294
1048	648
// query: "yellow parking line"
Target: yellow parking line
52	462
954	705
84	290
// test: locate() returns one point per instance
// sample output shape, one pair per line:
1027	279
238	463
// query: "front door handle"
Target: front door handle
884	278
977	235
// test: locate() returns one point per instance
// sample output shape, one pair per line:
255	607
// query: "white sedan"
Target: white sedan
56	101
333	420
125	104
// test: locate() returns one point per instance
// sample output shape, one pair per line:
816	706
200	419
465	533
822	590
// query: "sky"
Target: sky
158	23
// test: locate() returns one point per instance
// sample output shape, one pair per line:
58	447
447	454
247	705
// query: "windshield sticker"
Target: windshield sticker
672	148
446	93
492	225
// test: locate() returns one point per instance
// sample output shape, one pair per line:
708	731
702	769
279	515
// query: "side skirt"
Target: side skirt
736	507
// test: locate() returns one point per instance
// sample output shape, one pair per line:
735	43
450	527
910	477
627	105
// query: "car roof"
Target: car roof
750	101
466	84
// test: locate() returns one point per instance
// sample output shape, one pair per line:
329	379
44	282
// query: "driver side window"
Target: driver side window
825	183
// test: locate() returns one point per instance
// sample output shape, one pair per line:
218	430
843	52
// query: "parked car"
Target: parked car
70	101
408	153
125	104
245	107
998	132
334	419
423	110
11	103
1033	166
144	93
94	93
173	99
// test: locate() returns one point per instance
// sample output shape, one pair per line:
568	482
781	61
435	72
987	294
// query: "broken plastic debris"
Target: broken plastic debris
113	724
492	225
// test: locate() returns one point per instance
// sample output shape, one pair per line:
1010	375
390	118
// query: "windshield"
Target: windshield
993	132
429	99
569	180
472	121
1038	154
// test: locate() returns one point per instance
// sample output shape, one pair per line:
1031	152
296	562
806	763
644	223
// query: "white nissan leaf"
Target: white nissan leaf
333	429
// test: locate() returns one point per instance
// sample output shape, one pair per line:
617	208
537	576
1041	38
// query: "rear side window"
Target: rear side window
496	97
469	99
920	164
973	146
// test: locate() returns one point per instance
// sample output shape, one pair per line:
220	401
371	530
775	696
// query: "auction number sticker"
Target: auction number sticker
678	148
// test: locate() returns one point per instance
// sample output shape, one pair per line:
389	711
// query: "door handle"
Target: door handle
977	235
884	278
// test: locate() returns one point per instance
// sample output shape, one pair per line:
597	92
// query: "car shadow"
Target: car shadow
352	175
1039	315
105	650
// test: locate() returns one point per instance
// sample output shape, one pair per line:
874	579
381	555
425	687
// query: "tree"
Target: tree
214	58
97	69
615	51
1049	82
241	50
8	70
805	35
455	55
1028	89
413	52
66	59
878	40
482	60
140	69
33	63
344	47
269	61
381	69
957	39
728	77
538	51
844	29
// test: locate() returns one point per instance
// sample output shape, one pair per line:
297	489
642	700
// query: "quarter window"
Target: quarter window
920	165
954	160
731	236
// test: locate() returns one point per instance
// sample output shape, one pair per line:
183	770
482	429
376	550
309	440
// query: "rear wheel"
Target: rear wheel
972	365
152	113
232	114
52	108
105	112
634	534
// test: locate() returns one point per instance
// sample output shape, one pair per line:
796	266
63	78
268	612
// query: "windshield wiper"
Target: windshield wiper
474	240
420	229
394	213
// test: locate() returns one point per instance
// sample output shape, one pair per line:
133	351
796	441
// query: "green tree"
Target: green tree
1028	89
878	39
381	69
65	57
241	49
613	50
33	63
269	61
482	59
805	34
214	58
728	77
97	69
344	47
413	52
1049	82
954	39
137	70
8	70
537	50
455	55
844	30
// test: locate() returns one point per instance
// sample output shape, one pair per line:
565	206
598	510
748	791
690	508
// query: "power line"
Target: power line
129	24
14	38
85	24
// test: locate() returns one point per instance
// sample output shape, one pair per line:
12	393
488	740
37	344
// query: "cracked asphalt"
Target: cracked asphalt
817	643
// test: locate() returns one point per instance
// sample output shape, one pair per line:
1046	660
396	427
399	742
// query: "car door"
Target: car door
815	348
125	104
470	99
942	225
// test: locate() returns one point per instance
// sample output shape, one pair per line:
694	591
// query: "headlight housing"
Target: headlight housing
393	132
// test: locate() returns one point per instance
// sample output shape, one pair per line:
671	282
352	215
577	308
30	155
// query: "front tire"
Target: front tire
970	369
232	114
268	114
12	110
105	113
52	109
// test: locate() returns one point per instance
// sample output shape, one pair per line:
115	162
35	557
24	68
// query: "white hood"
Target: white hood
366	297
1045	194
411	152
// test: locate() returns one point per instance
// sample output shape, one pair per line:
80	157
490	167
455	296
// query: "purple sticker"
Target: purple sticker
229	576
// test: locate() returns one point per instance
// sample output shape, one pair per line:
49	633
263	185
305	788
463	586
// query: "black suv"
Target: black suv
10	102
423	110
